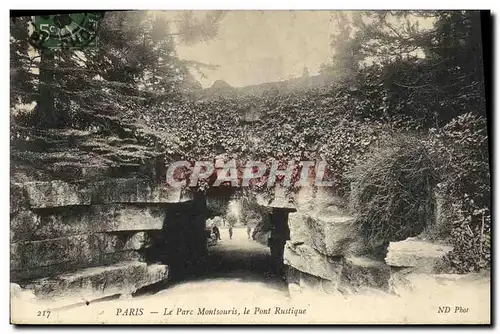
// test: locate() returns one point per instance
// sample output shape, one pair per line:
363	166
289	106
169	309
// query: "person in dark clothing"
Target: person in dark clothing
230	232
280	233
216	231
249	230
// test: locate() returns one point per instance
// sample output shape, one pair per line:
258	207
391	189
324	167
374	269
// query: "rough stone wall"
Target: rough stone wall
91	216
327	249
62	228
325	252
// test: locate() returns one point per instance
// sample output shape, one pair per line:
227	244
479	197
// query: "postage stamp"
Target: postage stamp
63	31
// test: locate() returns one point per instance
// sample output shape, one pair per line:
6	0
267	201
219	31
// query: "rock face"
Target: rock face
81	249
421	255
313	271
362	272
79	220
54	194
98	282
91	214
331	235
57	193
280	199
326	253
308	260
136	191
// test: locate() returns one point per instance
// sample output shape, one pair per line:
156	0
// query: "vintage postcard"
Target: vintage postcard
249	167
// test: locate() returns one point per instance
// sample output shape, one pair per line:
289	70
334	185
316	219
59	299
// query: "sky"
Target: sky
253	47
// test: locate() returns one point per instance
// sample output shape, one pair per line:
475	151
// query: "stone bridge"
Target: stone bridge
91	218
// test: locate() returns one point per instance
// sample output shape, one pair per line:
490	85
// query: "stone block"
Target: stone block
72	171
18	200
154	168
332	235
306	259
154	273
362	272
81	250
423	255
137	241
135	191
313	200
299	228
309	283
98	282
29	226
304	198
55	193
292	275
28	274
24	225
399	281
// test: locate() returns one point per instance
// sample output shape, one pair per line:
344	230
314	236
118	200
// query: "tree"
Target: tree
22	79
134	65
305	72
346	58
430	74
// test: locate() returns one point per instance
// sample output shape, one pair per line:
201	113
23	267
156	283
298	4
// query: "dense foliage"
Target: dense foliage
461	149
393	191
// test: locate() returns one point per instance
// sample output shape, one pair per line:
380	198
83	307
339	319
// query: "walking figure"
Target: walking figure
230	232
216	231
249	230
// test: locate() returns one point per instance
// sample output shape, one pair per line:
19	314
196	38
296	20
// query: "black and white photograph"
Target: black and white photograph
250	167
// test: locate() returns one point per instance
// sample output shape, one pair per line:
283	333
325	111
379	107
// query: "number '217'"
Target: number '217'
43	314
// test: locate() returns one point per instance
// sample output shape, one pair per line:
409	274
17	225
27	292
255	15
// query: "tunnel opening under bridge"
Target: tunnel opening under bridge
186	244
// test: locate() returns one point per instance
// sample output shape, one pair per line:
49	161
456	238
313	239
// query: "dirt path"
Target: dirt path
235	268
236	285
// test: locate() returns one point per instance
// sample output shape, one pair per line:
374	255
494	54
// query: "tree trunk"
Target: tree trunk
45	100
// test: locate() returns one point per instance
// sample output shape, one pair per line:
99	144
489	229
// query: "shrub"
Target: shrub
461	147
393	191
